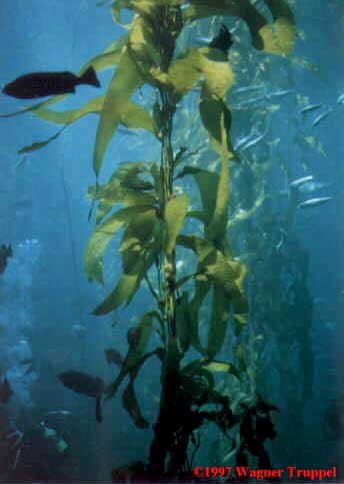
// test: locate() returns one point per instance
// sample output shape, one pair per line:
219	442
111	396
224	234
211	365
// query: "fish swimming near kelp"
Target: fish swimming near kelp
310	107
254	141
5	253
249	88
85	384
314	185
314	202
279	93
301	181
42	84
5	391
250	101
63	413
113	356
321	117
340	99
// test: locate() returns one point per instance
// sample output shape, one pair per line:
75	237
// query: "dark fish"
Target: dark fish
5	391
223	41
113	356
41	84
85	384
82	383
130	473
333	419
5	253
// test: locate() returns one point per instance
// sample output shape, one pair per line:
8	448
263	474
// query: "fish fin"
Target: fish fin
99	415
89	77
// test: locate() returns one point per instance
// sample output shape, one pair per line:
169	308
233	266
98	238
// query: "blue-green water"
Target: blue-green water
46	301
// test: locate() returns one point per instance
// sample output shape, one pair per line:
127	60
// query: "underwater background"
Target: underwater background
46	301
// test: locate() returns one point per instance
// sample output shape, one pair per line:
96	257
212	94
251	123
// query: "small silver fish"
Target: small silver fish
301	181
252	100
311	186
204	40
253	142
249	88
282	239
16	436
235	27
340	99
251	139
310	107
64	413
321	117
313	202
16	459
78	330
242	141
279	93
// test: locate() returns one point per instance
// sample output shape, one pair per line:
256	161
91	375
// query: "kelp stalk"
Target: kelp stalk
166	427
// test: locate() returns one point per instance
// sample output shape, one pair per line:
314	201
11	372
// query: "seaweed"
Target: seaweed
141	202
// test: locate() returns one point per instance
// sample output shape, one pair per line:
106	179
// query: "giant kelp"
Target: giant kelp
141	203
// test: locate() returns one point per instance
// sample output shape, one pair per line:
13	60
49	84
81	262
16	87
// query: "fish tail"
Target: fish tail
90	77
99	416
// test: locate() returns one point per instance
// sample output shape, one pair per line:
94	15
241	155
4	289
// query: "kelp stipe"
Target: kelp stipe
153	214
